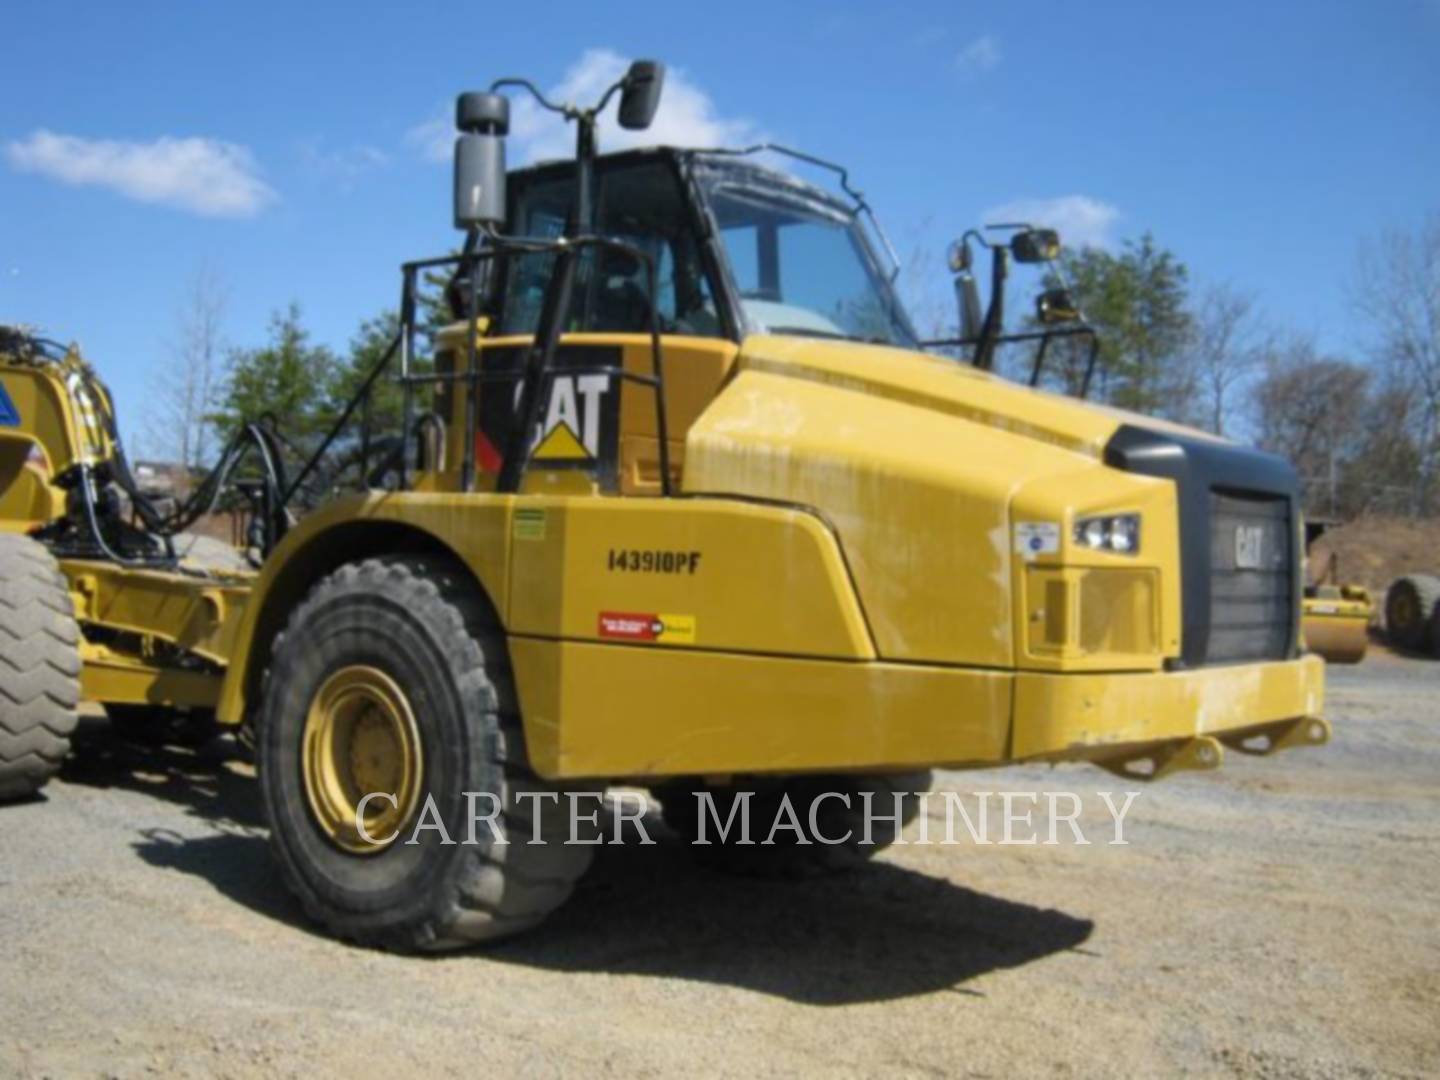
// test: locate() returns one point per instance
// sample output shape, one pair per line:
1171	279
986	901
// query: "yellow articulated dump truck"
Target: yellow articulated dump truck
679	500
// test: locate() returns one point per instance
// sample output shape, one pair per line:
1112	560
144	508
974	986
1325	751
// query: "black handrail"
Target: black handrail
536	376
1044	337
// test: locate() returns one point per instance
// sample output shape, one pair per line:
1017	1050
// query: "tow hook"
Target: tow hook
1285	735
1202	753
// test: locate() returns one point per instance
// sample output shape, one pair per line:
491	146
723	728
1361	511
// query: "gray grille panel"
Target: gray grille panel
1251	591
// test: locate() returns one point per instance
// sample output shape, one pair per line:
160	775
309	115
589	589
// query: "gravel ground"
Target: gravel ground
1276	918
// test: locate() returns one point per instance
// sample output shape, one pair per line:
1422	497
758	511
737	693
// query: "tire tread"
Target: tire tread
490	896
39	666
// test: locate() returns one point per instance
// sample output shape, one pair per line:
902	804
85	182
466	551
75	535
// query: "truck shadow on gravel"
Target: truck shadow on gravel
876	934
881	933
213	785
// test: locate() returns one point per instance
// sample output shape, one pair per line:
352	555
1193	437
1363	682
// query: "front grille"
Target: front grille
1252	588
1239	600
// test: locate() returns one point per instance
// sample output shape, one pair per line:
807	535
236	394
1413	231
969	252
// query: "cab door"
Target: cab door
599	430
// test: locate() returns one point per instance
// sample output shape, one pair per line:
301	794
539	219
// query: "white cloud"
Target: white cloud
198	175
980	56
434	138
686	117
342	166
1082	221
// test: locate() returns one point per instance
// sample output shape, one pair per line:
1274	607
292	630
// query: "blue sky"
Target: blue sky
292	147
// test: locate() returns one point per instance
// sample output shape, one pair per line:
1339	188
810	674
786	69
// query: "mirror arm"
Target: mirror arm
1039	359
584	173
995	314
622	84
534	91
1090	365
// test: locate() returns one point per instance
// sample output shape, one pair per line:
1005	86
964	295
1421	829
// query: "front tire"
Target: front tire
391	676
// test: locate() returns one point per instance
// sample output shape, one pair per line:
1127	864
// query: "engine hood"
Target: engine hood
922	466
943	385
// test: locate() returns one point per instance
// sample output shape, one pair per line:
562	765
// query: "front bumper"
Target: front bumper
1113	719
594	710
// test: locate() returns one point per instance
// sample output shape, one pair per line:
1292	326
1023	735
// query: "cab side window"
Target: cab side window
643	206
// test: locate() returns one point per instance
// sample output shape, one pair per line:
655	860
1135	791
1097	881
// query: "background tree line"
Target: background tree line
207	388
1362	428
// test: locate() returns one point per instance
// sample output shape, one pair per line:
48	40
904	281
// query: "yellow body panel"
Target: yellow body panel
749	578
766	578
632	711
694	370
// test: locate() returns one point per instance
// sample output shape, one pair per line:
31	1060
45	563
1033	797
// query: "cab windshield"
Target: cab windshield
799	260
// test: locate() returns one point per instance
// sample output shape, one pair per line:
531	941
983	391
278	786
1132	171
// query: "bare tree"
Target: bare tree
924	284
1311	409
1399	291
1226	346
178	426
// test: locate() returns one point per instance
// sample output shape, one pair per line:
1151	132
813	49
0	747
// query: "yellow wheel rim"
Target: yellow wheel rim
361	739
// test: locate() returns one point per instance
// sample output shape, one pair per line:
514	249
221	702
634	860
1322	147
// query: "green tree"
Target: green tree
288	379
368	347
1138	300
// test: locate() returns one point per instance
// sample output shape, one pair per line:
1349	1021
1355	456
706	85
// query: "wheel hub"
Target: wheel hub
361	739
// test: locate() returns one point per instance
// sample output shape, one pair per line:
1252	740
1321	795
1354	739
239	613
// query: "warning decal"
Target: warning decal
561	444
529	525
633	626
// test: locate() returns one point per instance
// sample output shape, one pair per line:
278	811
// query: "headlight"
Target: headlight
1119	533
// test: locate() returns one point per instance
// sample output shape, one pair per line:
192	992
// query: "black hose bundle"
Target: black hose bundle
251	436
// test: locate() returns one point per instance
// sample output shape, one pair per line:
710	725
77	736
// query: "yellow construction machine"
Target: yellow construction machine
1335	618
679	501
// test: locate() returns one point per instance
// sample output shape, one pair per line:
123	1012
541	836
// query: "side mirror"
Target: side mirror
484	121
1056	306
1035	245
640	95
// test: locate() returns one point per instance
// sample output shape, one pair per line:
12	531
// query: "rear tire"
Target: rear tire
39	666
422	625
682	806
1411	604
